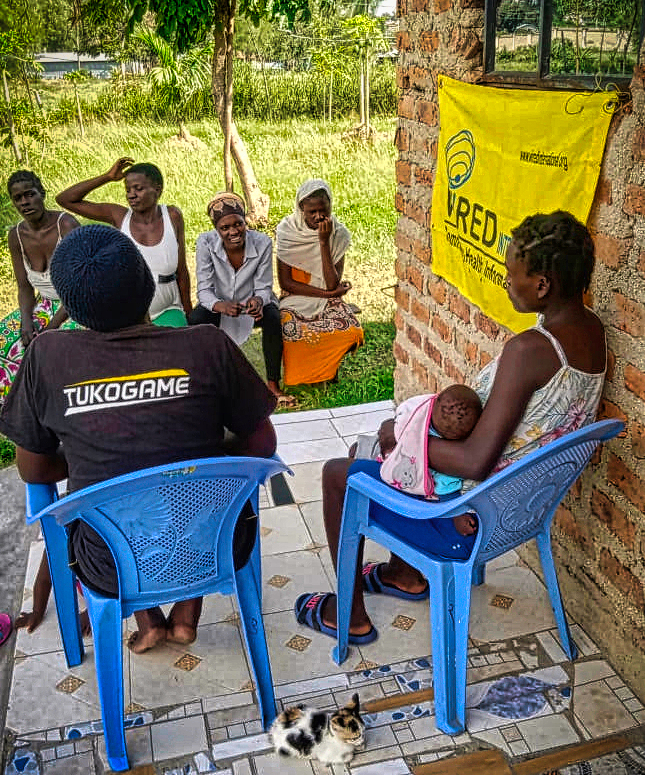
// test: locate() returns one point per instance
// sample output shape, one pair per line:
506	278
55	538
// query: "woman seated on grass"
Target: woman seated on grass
31	244
157	230
235	284
546	382
318	328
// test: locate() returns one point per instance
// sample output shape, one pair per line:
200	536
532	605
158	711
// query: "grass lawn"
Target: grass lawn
284	155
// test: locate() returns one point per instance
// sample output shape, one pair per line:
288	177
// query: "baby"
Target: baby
454	414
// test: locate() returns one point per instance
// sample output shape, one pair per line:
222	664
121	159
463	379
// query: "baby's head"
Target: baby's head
456	411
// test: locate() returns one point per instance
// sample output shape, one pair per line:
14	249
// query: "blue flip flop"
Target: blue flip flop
308	609
372	583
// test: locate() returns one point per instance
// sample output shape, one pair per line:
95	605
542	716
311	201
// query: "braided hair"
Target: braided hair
26	176
556	245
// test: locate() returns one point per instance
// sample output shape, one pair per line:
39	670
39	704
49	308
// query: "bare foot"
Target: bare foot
328	616
401	578
284	401
183	620
28	619
181	633
466	524
86	627
139	643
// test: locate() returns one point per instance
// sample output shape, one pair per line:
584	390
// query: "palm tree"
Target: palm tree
177	79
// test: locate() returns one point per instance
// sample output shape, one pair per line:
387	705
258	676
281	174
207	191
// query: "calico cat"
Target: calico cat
306	733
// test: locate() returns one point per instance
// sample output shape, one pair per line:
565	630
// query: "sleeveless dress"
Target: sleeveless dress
46	306
568	401
162	260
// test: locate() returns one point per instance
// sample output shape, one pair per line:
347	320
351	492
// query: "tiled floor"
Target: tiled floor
191	710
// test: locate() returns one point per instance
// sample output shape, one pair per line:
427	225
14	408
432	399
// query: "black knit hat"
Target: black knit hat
102	278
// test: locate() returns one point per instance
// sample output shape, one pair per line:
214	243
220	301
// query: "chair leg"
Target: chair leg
64	587
250	608
543	541
105	616
449	614
348	547
479	574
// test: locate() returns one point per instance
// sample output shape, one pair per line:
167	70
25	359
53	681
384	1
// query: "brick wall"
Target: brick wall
599	533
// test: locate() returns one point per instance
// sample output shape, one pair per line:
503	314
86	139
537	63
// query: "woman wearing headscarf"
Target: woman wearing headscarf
318	328
235	283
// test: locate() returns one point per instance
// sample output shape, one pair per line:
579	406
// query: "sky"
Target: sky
387	7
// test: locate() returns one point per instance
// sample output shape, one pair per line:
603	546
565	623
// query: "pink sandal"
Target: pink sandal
5	627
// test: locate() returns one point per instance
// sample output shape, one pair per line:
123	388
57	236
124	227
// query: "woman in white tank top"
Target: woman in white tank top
546	382
157	230
31	245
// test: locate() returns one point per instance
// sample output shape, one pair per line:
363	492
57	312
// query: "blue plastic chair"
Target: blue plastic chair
513	506
170	530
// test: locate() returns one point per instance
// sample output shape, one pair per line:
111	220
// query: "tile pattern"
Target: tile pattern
524	697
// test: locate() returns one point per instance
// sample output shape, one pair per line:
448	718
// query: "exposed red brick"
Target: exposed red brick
437	288
429	40
635	380
432	352
428	112
400	354
484	358
615	519
565	523
610	250
439	6
442	328
629	315
420	78
414	336
403	42
406	106
479	4
466	43
622	578
414	276
399	321
637	433
638	144
432	150
634	200
603	192
402	139
576	489
423	176
399	202
403	173
486	325
459	307
609	411
401	7
400	268
402	298
421	373
420	311
466	347
402	242
422	252
626	480
451	371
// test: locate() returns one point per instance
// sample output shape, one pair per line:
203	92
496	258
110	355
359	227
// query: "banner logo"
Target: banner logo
109	392
460	158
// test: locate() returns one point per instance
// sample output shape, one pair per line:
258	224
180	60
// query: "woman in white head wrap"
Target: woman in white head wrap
318	328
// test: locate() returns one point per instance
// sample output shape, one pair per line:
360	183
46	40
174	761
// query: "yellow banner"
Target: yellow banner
505	154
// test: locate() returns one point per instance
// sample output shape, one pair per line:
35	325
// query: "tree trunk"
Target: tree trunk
12	128
222	90
367	94
361	95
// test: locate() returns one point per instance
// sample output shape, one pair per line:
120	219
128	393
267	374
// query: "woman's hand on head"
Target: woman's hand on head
253	307
230	308
118	170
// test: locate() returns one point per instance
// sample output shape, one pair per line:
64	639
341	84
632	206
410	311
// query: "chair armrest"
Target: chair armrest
38	497
406	505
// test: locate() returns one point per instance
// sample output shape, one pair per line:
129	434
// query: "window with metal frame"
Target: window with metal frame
562	43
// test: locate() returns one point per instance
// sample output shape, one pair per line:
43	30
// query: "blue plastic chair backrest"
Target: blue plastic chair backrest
169	528
518	502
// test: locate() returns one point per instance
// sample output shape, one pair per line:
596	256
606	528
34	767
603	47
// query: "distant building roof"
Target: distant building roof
56	57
